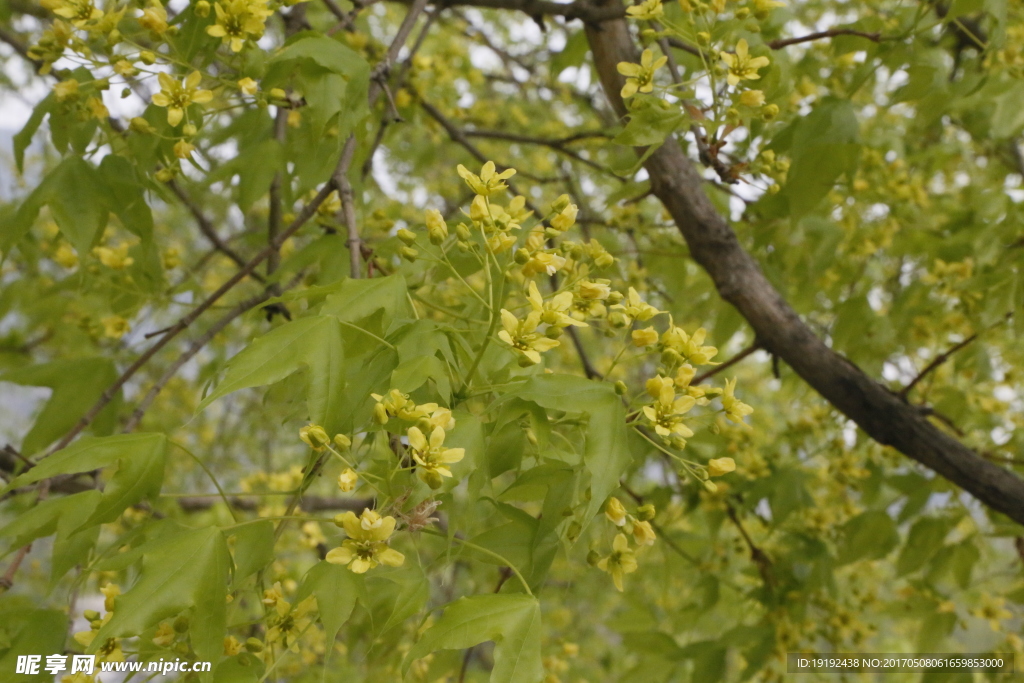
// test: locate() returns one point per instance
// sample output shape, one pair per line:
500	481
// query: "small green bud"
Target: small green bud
407	236
202	8
646	512
103	84
462	230
181	648
125	93
147	57
91	615
181	624
254	645
342	442
409	254
553	332
531	436
559	204
710	487
522	256
574	530
593	557
621	388
615	297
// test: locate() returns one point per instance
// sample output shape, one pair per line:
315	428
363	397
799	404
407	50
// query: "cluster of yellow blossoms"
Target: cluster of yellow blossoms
110	651
622	559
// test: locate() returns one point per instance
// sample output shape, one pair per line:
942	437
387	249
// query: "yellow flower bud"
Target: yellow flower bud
719	466
202	8
347	480
342	442
752	98
645	337
615	511
437	229
315	436
407	236
183	149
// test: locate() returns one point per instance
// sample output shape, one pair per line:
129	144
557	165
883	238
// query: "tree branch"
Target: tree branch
936	362
780	43
206	227
739	280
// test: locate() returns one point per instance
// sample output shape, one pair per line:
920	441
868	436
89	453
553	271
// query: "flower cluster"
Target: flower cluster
622	559
367	544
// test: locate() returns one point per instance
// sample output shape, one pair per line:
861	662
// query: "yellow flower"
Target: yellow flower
79	12
640	77
643	533
178	96
645	337
620	562
154	18
115	327
741	65
489	182
164	635
231	646
565	218
431	456
248	86
239	20
615	511
752	98
66	90
646	10
437	229
636	308
719	466
110	592
666	413
347	480
183	149
594	290
689	346
287	627
66	256
274	597
97	109
543	262
993	609
553	312
735	409
366	545
523	338
315	436
171	258
116	258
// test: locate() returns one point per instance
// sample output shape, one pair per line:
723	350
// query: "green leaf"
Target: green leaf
336	590
606	454
254	549
359	299
125	196
512	621
76	196
77	384
140	459
42	518
823	146
43	633
187	569
923	542
869	535
23	138
311	343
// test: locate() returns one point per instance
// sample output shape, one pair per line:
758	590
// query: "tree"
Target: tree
641	341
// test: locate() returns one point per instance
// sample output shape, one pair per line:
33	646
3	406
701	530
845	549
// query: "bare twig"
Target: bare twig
206	227
831	33
936	362
754	346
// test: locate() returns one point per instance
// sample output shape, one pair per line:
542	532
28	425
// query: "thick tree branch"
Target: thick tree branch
879	412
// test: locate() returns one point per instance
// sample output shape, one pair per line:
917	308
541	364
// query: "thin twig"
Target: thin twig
206	227
754	346
831	33
936	362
